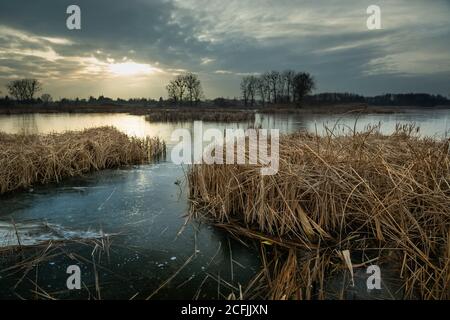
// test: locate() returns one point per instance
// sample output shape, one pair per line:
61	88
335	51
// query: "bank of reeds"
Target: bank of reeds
336	204
26	160
360	108
180	115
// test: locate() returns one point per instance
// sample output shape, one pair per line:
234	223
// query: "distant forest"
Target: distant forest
389	99
272	88
406	99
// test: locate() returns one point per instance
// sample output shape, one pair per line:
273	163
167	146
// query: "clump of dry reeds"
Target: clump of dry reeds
361	196
179	115
20	265
29	159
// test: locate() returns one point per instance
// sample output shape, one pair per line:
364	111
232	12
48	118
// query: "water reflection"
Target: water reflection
435	122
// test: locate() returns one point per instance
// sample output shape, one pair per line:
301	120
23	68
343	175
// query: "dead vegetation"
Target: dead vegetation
344	108
20	266
338	202
26	160
213	115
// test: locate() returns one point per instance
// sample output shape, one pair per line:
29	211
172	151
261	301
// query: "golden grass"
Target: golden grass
37	159
179	115
386	199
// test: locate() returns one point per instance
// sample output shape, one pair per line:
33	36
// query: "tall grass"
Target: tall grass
179	115
385	199
36	159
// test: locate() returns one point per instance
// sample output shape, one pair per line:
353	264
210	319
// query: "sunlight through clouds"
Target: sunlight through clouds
222	41
132	68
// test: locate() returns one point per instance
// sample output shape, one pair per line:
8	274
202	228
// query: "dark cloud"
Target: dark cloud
327	38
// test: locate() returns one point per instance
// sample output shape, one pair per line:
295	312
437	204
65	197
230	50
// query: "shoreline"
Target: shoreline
270	109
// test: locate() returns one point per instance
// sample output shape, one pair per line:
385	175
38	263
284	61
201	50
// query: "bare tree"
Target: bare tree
262	89
252	89
273	77
33	87
24	89
266	80
180	86
244	90
46	98
249	89
197	94
303	84
185	87
281	88
193	87
16	89
275	87
288	76
172	91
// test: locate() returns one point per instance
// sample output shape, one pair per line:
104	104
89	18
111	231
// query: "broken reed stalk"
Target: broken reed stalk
37	159
383	198
200	115
19	269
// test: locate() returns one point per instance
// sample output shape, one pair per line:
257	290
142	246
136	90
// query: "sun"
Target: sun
131	68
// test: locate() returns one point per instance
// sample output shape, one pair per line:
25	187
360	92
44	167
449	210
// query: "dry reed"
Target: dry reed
179	115
37	159
383	198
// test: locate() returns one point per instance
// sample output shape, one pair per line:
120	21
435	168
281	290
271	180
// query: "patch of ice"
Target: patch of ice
36	232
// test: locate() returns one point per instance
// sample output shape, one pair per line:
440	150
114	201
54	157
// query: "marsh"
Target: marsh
144	207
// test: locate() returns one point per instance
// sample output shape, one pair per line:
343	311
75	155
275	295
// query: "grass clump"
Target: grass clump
337	203
180	115
37	159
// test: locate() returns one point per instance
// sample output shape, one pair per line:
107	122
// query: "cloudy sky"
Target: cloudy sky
132	48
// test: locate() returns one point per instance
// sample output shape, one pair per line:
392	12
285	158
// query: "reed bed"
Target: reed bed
180	115
20	266
26	160
338	202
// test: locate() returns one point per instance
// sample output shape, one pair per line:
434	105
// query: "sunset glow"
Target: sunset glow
131	68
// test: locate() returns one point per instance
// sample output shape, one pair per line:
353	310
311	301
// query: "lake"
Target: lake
144	208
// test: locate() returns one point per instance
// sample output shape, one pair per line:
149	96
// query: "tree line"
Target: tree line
268	88
389	99
276	87
271	87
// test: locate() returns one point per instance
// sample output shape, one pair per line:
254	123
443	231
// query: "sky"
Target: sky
133	48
